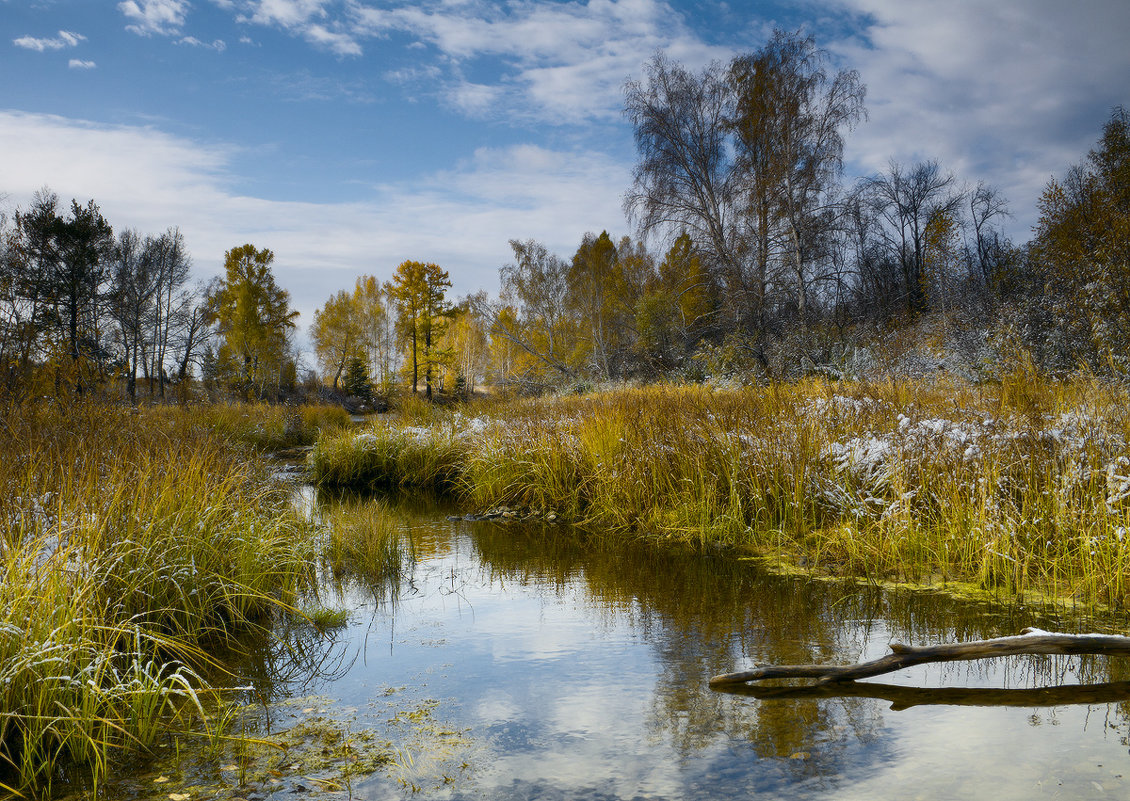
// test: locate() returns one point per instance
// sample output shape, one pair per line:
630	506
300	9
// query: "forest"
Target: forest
753	258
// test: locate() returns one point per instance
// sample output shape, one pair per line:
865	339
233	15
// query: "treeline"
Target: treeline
770	264
752	256
83	309
775	265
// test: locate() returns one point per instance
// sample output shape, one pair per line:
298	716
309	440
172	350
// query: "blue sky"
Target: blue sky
349	135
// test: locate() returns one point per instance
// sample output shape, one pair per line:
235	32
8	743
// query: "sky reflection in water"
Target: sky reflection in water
581	672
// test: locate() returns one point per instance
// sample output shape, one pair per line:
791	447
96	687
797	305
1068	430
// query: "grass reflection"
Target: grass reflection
704	612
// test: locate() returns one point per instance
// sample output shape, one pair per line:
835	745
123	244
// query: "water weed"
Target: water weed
131	541
363	541
1022	486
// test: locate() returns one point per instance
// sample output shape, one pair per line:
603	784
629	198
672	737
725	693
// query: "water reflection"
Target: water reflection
574	667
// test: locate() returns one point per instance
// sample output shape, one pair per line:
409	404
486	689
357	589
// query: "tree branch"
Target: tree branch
1029	641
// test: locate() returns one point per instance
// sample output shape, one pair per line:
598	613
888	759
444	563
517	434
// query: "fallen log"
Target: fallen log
901	697
1029	641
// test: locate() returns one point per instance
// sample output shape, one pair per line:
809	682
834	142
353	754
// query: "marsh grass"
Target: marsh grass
262	427
387	454
1021	487
130	541
363	541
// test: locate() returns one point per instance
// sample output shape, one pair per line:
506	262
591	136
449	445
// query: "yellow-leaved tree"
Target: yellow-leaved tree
252	314
1082	244
418	292
336	333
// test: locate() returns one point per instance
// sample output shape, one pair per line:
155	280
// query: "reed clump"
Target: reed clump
263	427
1022	487
130	541
363	542
388	454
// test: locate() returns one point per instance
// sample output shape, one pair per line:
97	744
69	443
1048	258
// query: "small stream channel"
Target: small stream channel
522	662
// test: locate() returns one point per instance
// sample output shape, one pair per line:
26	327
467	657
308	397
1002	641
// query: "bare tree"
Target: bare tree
745	160
989	248
133	284
789	119
172	266
905	201
689	180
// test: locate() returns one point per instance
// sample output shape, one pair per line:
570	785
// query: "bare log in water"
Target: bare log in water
1029	641
906	697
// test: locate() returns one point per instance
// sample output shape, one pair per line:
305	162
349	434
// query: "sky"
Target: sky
350	135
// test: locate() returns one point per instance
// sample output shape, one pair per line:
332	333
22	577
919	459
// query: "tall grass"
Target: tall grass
363	541
130	541
1020	487
261	426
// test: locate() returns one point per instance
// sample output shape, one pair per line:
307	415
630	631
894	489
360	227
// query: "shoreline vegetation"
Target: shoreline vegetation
138	540
1017	490
134	542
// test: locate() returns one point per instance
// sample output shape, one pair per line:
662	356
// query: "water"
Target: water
522	662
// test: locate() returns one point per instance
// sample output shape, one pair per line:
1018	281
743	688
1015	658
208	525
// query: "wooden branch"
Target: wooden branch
906	697
1029	641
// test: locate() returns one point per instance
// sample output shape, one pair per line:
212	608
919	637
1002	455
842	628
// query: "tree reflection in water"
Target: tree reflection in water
703	614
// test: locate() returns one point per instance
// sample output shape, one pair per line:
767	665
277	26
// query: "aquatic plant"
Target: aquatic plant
130	540
363	541
1019	487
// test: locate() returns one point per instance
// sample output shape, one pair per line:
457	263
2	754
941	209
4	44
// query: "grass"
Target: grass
1021	487
131	541
363	542
259	426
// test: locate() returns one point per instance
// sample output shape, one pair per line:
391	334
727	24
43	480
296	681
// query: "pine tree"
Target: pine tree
357	379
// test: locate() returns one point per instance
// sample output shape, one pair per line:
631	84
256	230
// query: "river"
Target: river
526	662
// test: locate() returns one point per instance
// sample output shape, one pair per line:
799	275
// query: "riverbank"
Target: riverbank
1019	488
133	543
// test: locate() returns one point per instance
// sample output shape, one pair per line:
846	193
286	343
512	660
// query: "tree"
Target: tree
418	292
253	315
989	251
789	119
744	161
687	178
466	340
23	292
1082	247
357	379
377	328
336	333
672	307
68	259
534	332
595	290
172	307
134	284
904	202
152	310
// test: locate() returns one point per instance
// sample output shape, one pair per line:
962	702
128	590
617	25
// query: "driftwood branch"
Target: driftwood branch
1029	641
901	697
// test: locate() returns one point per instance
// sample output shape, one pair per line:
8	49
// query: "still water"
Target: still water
522	662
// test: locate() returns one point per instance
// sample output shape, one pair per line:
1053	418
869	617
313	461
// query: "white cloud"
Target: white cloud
309	19
161	17
461	218
219	45
562	62
1009	92
286	13
62	40
79	64
336	42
